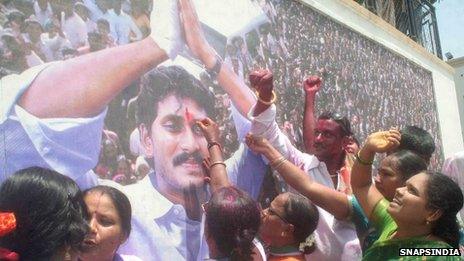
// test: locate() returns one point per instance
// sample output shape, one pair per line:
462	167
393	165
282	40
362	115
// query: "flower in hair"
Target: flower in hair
7	223
309	242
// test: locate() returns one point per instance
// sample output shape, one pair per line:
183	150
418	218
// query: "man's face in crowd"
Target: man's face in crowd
103	28
34	30
328	139
177	143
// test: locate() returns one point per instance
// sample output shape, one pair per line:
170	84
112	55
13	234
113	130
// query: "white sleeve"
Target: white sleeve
13	86
265	125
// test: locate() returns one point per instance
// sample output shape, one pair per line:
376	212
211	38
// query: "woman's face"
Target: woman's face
106	233
409	204
388	178
274	228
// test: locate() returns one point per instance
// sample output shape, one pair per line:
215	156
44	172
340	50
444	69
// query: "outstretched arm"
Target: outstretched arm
361	179
215	163
83	86
240	94
311	86
332	201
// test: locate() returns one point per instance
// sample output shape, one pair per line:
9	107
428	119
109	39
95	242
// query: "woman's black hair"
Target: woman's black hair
232	220
408	163
303	215
444	195
50	213
120	202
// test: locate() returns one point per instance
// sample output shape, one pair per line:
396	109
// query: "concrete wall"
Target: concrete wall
458	65
351	14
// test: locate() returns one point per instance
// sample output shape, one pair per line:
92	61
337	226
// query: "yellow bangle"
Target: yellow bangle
362	161
273	99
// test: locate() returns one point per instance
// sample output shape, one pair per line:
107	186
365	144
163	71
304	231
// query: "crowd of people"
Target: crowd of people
131	159
372	85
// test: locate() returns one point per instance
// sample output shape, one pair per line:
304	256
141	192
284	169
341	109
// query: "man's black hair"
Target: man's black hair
417	140
342	121
163	81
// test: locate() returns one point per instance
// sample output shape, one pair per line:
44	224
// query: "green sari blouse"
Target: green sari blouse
386	248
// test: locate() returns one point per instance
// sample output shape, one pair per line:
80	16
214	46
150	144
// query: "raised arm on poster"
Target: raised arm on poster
83	86
334	202
311	86
214	164
361	180
262	81
240	94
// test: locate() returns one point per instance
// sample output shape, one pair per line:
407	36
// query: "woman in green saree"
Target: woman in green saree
421	215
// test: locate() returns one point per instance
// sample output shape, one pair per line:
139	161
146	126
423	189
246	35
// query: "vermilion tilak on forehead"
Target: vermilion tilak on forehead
188	116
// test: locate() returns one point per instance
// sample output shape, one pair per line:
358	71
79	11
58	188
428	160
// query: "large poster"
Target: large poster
149	149
375	87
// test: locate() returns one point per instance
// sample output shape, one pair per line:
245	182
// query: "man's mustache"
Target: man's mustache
184	156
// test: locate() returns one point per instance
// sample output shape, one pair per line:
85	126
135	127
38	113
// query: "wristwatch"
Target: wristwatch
214	72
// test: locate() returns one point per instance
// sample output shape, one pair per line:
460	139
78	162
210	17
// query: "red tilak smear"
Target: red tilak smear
188	115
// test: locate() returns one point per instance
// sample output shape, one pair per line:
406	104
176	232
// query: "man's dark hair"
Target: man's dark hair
163	81
120	202
104	22
50	213
408	163
417	140
342	121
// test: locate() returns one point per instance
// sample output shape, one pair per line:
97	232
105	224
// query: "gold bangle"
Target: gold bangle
217	163
280	164
277	162
273	99
361	161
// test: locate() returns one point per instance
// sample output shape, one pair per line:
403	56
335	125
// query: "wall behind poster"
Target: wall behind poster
373	86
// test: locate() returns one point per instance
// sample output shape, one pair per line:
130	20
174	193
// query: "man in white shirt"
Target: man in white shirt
43	11
84	13
33	39
125	29
335	239
54	41
72	25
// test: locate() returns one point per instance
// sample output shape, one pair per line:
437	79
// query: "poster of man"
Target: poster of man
121	104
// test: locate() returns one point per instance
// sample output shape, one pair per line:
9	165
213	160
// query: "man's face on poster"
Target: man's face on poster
177	144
